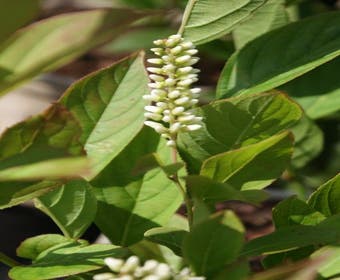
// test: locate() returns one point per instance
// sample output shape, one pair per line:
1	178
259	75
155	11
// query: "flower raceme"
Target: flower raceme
171	97
131	269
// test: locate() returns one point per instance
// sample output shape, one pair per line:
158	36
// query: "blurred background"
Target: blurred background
24	95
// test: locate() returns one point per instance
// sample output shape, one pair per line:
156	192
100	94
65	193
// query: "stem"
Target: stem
184	191
7	260
186	15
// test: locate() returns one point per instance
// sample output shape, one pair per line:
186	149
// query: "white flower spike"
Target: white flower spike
172	97
131	269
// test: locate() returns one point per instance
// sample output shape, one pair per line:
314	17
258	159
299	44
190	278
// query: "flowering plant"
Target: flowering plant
126	146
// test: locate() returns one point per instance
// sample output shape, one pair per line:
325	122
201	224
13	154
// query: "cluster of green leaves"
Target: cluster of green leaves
89	158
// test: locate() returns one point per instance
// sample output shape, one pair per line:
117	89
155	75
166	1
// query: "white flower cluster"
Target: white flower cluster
131	269
171	96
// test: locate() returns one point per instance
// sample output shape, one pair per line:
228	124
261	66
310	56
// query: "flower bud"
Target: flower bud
169	68
170	82
153	109
156	78
150	265
186	82
174	94
152	277
130	264
183	59
166	119
155	61
114	264
156	50
159	92
187	45
182	101
176	50
178	110
163	270
162	105
174	128
156	126
155	70
155	85
153	116
185	70
192	127
159	42
191	52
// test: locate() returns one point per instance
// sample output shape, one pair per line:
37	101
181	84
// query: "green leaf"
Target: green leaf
54	42
292	237
147	250
251	167
291	256
72	207
207	248
269	16
201	211
14	14
308	142
326	198
293	211
211	19
213	192
264	64
52	135
65	260
152	161
135	203
235	271
85	276
169	237
14	193
306	269
109	107
33	246
237	122
289	212
318	91
331	267
48	170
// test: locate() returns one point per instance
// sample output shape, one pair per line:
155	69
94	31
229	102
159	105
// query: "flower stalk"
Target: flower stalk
7	260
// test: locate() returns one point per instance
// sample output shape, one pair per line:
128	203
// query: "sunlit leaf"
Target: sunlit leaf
264	64
251	167
109	107
207	247
269	16
65	260
135	203
211	19
326	198
235	123
72	207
